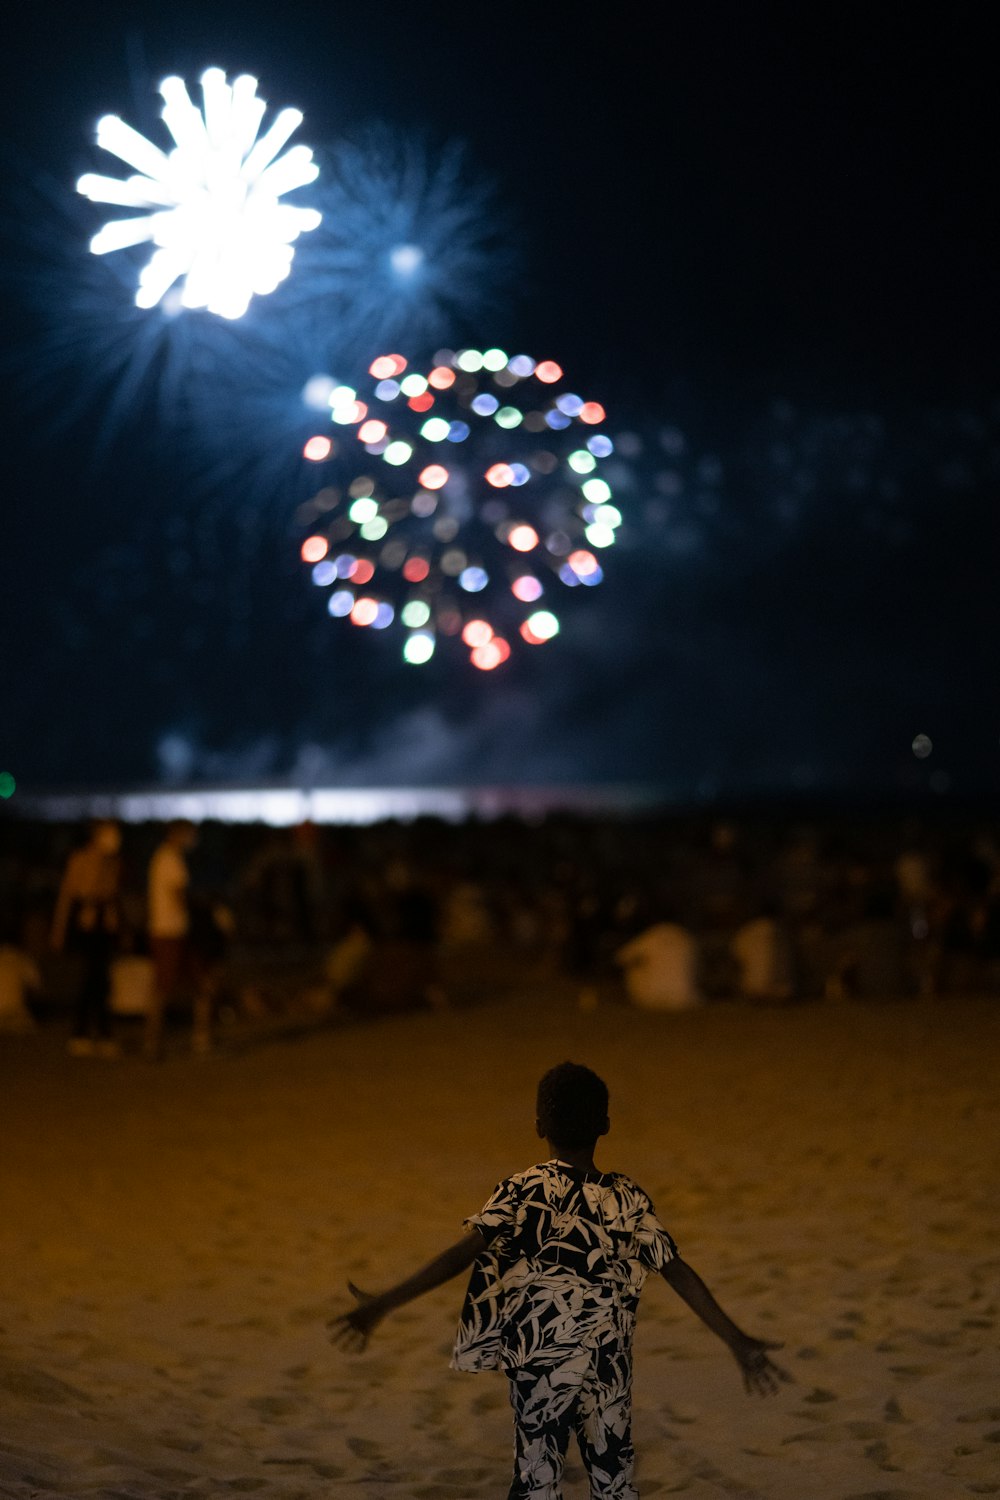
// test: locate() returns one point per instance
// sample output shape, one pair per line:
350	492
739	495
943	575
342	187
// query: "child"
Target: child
560	1254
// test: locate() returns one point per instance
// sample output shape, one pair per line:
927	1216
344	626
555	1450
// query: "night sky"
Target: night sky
761	235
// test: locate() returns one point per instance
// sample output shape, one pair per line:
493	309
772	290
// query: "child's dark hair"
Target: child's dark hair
572	1106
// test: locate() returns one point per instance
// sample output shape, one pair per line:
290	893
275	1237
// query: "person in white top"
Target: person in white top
169	925
87	923
661	968
764	958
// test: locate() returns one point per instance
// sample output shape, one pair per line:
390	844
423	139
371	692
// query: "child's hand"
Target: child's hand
760	1374
352	1330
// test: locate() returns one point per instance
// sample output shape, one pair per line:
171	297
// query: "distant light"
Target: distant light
485	404
387	390
522	365
608	515
592	579
416	569
449	620
509	416
423	402
365	611
527	588
347	412
384	616
569	404
375	529
211	205
469	360
418	648
386	366
548	371
600	446
424	504
340	603
372	431
362	572
314	549
345	564
413	385
433	477
477	633
324	573
473	580
519	474
458	432
393	554
398	453
492	654
582	462
557	420
596	490
522	538
316	392
598	534
363	510
453	562
435	429
568	577
582	563
499	476
922	746
494	359
8	786
441	377
593	413
543	625
317	449
406	260
415	613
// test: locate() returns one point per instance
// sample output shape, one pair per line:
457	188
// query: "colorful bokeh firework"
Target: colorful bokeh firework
459	502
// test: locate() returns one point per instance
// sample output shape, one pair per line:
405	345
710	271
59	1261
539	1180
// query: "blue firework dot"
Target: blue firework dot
458	501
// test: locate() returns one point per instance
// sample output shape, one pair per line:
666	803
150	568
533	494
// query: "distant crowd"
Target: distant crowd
219	923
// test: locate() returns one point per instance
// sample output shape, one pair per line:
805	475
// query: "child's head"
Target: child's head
572	1107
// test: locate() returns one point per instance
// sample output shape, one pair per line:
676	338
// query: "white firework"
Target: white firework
213	208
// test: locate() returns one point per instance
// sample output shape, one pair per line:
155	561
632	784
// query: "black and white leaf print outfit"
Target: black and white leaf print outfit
567	1256
552	1301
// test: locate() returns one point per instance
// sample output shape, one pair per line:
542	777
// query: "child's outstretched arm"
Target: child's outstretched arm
353	1329
760	1373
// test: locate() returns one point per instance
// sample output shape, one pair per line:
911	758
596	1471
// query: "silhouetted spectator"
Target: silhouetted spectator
87	923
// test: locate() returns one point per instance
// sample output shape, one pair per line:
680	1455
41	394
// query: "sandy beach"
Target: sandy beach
174	1238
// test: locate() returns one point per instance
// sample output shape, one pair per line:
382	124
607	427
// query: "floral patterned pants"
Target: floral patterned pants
589	1394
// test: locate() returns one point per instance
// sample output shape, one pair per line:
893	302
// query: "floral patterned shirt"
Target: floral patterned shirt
568	1252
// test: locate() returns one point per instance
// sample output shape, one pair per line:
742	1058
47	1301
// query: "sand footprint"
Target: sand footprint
272	1408
364	1448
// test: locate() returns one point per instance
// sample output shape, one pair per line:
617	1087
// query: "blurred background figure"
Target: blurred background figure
661	968
87	923
169	931
404	972
873	948
19	976
764	960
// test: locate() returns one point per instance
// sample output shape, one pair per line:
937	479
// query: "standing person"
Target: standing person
87	922
561	1252
169	929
